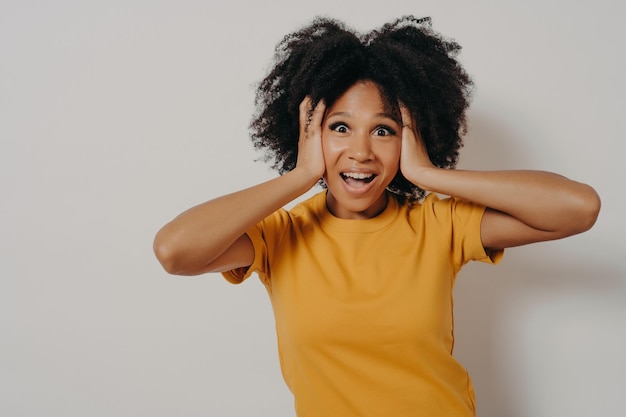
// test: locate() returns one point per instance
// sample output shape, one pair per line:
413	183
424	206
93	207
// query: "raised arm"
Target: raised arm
211	237
522	206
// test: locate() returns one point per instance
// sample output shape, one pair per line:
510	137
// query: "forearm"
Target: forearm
542	200
199	235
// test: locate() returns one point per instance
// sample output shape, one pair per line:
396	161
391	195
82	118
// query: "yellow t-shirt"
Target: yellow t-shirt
363	308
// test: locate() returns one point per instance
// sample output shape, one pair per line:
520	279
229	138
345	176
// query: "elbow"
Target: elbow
588	209
167	255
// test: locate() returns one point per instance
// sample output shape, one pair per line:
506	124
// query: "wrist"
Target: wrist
423	177
306	178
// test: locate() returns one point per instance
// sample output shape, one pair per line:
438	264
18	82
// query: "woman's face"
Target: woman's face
361	141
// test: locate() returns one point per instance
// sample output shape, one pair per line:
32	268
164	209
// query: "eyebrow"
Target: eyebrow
347	114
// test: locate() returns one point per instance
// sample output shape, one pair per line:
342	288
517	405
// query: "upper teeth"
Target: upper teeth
357	175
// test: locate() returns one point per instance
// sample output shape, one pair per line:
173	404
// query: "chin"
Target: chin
365	205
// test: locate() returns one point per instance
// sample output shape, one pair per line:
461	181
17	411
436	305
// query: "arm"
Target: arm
522	206
211	236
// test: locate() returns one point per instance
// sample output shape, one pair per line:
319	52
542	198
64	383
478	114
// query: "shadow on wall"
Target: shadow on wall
497	307
494	305
490	145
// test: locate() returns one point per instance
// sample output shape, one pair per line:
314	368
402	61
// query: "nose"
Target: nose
360	147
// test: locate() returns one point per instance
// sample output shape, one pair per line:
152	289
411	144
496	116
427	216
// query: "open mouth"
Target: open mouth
357	178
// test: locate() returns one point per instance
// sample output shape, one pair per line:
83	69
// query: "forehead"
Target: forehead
363	96
361	90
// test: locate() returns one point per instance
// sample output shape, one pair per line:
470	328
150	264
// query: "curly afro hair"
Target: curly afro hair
410	63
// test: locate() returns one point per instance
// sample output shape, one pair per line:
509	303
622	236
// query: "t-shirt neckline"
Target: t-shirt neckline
329	221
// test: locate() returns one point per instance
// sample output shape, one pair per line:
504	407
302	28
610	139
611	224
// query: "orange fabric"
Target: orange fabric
363	308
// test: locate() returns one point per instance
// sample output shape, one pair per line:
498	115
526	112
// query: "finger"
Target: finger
409	125
318	114
407	119
304	109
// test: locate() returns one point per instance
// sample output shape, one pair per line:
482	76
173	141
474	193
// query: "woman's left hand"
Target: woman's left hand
522	206
414	160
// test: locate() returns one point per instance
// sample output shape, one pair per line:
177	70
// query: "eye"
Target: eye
339	127
384	131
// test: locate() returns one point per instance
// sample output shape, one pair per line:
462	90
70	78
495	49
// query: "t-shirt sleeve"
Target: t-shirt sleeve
265	237
461	220
237	276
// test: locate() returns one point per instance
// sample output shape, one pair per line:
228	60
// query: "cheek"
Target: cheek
331	148
389	153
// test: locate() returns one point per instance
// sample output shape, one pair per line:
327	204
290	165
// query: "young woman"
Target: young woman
360	275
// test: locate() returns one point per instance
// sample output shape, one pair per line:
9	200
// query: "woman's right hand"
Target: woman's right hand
310	153
211	237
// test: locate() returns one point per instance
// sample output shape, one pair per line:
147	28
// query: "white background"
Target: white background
115	116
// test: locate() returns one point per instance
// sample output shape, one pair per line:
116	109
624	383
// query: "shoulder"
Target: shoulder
443	204
314	205
446	211
303	213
